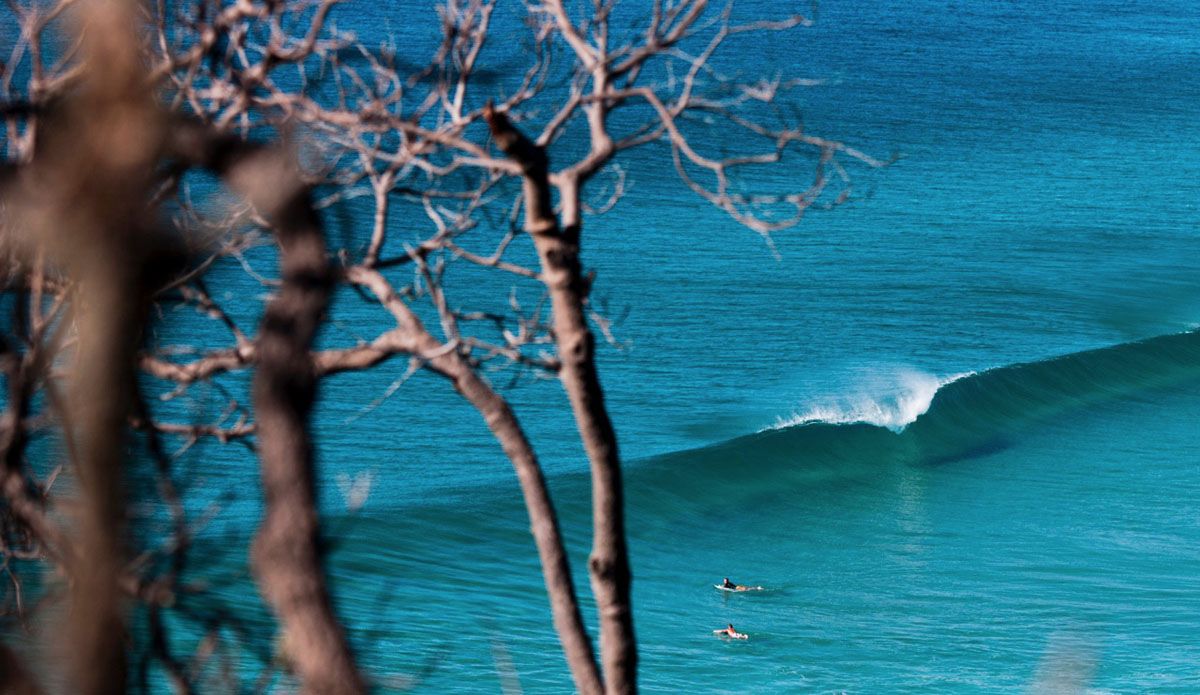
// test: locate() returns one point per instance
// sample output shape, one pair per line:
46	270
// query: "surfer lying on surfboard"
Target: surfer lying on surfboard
730	632
730	586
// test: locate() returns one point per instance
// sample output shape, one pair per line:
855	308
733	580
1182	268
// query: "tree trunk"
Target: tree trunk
286	551
544	524
500	419
84	197
558	250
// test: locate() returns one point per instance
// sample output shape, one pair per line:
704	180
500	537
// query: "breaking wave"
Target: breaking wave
924	420
895	408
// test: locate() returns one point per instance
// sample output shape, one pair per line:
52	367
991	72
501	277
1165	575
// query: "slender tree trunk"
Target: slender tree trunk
608	564
286	551
544	523
500	419
558	251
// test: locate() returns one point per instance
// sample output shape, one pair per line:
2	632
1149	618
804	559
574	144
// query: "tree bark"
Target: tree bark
558	251
286	551
544	524
103	377
83	196
503	423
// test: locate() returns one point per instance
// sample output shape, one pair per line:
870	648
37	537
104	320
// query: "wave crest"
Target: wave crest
895	406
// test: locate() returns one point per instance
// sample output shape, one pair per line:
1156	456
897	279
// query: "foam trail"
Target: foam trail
895	408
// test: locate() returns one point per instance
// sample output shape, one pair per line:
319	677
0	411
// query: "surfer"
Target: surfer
730	632
738	587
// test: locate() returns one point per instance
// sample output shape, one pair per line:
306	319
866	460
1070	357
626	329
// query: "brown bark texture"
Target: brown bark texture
558	251
556	571
503	423
286	550
83	198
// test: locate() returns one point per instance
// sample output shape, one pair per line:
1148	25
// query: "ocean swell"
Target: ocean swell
926	420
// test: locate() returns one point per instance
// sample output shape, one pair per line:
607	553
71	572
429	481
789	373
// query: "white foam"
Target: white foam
894	406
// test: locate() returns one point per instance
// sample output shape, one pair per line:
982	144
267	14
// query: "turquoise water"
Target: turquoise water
1034	519
952	428
1006	307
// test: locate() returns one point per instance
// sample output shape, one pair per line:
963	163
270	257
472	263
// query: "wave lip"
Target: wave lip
894	408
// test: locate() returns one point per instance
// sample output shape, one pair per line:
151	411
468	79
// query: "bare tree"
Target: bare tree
94	159
435	144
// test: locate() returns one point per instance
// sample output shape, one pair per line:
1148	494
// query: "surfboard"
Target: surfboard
735	590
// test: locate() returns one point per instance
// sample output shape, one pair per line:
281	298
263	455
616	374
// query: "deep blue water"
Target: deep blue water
952	427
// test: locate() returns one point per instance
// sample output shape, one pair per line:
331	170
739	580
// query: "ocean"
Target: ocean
949	425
